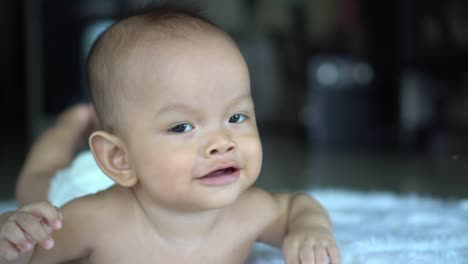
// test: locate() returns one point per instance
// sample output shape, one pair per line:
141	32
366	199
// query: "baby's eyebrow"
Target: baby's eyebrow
240	98
174	108
179	107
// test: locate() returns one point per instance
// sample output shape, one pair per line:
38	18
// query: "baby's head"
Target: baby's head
172	92
118	56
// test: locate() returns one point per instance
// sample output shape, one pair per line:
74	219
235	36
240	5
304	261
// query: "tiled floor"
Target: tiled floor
290	164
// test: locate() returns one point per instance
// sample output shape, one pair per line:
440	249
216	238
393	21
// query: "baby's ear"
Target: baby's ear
111	156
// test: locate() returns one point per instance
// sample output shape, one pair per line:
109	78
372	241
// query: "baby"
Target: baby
179	137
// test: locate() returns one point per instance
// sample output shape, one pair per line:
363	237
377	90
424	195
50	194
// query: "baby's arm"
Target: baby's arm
21	230
34	223
74	240
302	227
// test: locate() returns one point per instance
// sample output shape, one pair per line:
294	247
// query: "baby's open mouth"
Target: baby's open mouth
221	176
221	172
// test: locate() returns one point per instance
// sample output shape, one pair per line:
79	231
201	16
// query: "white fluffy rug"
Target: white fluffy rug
370	228
387	228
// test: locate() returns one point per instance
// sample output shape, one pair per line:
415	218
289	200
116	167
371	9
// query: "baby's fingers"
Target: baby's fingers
46	211
8	251
334	254
290	250
320	254
307	255
35	230
14	237
316	252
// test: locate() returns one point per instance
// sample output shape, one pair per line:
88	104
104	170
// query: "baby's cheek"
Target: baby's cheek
175	164
254	157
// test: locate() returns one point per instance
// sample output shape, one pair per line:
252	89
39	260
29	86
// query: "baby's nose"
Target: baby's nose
219	145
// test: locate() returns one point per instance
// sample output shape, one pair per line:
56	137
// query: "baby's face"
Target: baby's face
190	130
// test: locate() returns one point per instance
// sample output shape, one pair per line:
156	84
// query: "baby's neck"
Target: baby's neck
177	226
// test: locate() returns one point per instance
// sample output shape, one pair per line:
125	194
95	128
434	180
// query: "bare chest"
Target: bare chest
124	247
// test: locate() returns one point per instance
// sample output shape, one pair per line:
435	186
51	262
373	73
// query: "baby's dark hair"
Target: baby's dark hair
159	22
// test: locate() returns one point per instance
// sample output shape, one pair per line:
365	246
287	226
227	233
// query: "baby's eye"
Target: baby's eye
237	118
181	128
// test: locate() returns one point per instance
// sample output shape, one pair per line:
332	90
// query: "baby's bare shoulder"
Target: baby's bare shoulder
95	207
83	218
256	201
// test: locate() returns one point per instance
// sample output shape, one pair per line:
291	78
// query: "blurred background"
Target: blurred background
356	94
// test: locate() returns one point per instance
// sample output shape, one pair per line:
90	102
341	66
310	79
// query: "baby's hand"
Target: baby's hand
312	246
28	226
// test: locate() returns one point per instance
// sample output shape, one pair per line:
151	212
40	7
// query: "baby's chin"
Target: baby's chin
222	197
